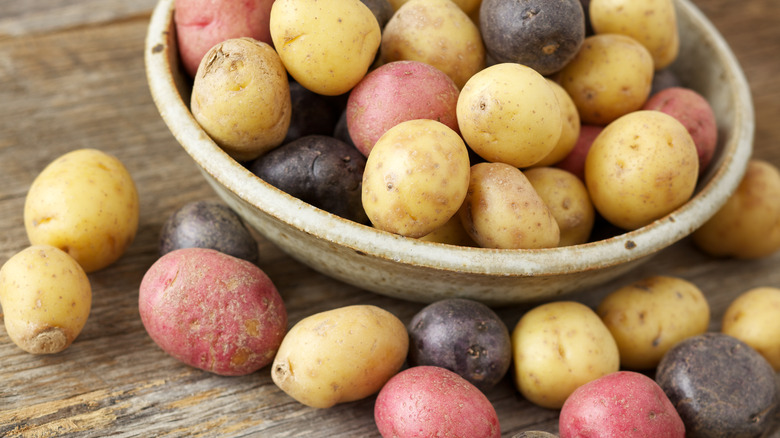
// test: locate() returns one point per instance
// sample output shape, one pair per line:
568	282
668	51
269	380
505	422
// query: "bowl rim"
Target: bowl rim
625	247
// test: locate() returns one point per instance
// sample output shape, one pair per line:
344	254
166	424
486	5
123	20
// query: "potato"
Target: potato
618	403
651	315
720	386
241	97
451	233
753	318
340	355
85	203
212	311
653	23
502	210
574	162
567	198
509	113
558	347
436	32
609	77
570	128
463	336
640	168
201	24
382	10
311	114
540	34
428	401
695	113
468	6
397	92
320	170
416	178
326	45
46	299
747	226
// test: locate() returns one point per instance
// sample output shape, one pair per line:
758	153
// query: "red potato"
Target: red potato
575	161
397	92
201	24
621	404
432	401
212	311
695	113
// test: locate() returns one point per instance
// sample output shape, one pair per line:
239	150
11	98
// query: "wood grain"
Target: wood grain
72	76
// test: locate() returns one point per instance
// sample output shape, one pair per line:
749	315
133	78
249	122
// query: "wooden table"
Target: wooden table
72	76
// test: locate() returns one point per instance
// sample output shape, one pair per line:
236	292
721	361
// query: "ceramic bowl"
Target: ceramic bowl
424	271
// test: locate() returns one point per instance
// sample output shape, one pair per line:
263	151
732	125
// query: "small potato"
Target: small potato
201	24
640	168
85	203
241	97
397	92
416	178
747	226
570	128
436	32
558	347
653	23
650	316
312	114
326	45
567	198
429	401
340	355
46	299
502	210
611	76
451	233
574	162
509	113
620	404
208	224
753	318
212	311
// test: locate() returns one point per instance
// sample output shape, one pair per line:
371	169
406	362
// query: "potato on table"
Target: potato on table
753	318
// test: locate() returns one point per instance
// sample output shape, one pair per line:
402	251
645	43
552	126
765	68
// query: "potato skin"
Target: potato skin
85	203
45	297
340	355
752	318
241	97
320	170
558	347
503	210
651	315
326	45
208	224
212	311
570	127
416	178
747	226
432	401
542	35
567	198
640	168
624	403
463	336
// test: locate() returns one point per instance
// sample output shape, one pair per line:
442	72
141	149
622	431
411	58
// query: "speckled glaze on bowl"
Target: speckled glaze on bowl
423	271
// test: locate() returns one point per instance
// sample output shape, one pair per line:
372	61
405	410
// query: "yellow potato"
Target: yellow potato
502	210
415	178
509	113
340	355
438	33
326	45
46	299
650	316
748	225
451	233
558	347
754	318
640	168
653	23
570	127
468	6
241	97
610	76
85	203
567	198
